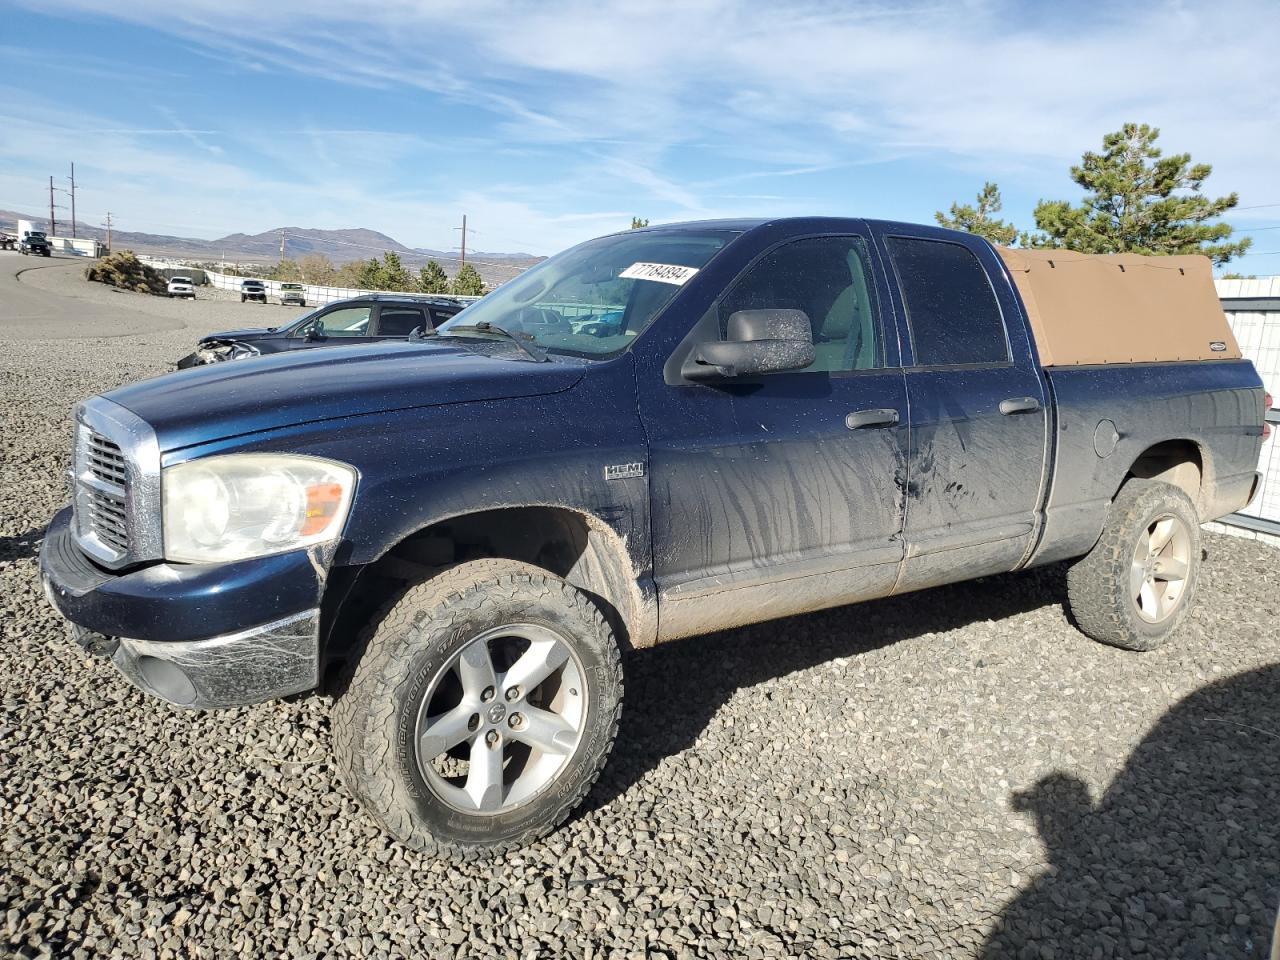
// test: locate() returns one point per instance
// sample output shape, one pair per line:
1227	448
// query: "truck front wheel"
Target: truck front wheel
481	710
1136	586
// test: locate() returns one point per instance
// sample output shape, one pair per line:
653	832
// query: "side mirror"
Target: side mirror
756	342
316	331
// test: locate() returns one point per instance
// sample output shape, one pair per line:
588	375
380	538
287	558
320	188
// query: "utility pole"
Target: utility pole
52	225
463	258
282	246
73	200
108	231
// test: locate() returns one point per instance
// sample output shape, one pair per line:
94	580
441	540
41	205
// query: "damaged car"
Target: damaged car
365	319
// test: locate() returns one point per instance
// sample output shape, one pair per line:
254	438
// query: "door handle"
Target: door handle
1019	405
885	417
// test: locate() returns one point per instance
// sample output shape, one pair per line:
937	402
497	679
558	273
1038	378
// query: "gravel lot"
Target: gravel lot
954	773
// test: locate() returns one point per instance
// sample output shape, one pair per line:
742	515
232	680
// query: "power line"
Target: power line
73	200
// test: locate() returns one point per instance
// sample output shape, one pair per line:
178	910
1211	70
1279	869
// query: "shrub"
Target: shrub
126	271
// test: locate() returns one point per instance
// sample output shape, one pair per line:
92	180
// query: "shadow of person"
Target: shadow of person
22	545
1180	857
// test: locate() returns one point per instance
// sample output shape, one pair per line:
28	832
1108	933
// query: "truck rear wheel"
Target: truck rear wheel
1136	586
481	710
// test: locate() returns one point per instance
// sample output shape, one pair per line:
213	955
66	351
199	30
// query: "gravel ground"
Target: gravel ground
954	773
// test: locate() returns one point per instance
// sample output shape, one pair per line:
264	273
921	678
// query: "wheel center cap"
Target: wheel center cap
496	712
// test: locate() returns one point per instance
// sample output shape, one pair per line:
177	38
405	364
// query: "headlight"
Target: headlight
245	505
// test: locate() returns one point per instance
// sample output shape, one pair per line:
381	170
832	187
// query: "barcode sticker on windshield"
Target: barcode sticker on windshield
662	272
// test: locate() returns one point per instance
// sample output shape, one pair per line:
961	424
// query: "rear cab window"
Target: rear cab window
953	316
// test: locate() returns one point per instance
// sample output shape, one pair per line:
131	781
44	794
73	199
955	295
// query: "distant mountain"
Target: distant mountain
478	254
340	246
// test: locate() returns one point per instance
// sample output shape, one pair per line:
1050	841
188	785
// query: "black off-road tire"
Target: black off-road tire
1098	583
402	650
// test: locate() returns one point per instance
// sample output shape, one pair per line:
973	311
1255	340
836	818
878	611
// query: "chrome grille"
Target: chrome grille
106	461
101	495
116	485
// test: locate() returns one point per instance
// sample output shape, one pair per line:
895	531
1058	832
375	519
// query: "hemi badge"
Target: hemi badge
623	471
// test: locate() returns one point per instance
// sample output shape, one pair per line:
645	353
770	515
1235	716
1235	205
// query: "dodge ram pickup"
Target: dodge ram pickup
455	535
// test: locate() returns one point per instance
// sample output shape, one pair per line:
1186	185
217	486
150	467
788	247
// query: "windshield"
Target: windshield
290	286
594	299
180	280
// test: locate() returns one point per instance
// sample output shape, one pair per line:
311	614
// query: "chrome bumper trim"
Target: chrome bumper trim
262	663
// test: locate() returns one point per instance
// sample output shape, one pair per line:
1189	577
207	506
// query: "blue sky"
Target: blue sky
548	123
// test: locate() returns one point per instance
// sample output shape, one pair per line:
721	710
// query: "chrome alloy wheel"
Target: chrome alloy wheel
1158	574
500	721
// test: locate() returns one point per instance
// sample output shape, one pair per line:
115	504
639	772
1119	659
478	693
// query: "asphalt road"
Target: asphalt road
955	773
46	299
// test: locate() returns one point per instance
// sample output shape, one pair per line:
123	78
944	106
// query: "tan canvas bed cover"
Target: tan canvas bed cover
1120	308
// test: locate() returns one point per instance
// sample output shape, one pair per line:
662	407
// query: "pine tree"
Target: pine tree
1138	201
468	283
637	223
392	275
978	219
432	278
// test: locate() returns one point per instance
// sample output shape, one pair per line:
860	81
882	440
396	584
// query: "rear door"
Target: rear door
978	409
397	320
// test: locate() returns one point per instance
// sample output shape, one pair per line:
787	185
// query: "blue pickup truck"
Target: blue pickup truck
653	435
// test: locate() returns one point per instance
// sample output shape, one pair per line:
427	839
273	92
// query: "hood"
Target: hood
250	333
303	386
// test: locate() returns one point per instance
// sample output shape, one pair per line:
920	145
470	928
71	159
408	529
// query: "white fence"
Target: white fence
314	294
1253	310
80	246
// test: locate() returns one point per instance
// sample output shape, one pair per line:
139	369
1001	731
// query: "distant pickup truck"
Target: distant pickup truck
458	534
253	290
181	287
36	244
294	293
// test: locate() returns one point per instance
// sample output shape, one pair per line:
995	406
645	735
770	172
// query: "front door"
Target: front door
782	493
345	325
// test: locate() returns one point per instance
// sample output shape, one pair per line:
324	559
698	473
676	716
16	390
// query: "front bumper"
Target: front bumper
262	663
178	631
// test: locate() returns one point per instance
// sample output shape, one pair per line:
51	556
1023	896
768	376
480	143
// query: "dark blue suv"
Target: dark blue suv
364	319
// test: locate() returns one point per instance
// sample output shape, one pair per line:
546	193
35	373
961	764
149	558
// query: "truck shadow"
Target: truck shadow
674	690
1180	857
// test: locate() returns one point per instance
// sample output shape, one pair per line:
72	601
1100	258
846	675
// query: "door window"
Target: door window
346	322
829	278
951	309
400	321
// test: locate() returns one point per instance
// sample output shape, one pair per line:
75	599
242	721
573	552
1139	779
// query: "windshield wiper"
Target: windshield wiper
525	343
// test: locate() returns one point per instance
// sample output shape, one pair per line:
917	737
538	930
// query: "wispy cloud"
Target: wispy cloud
667	108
